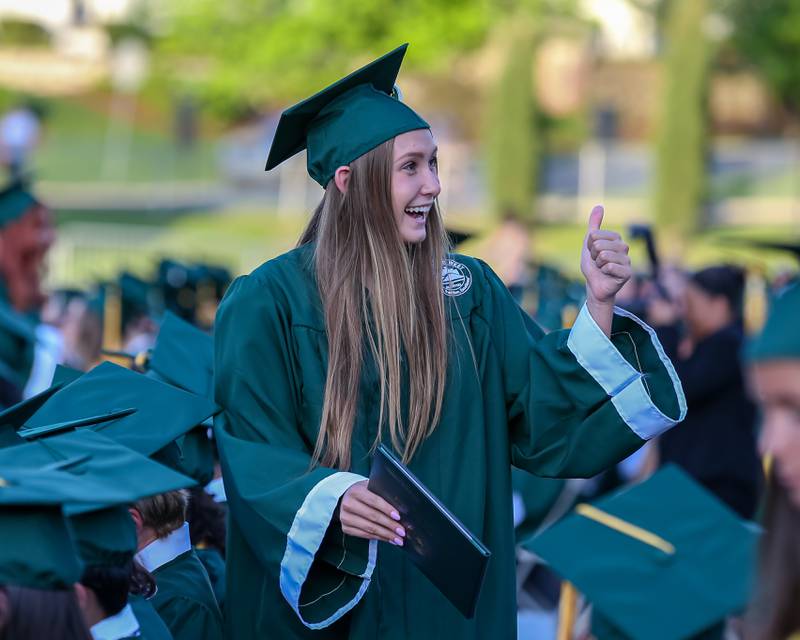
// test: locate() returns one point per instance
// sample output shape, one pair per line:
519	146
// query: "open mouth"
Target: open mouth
418	213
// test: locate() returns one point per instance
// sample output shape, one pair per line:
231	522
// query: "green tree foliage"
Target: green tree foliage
512	136
237	54
767	35
241	52
682	139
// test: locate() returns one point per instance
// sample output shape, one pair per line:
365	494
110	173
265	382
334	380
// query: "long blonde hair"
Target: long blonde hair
373	285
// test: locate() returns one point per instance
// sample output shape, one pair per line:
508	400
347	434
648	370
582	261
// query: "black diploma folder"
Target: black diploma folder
444	550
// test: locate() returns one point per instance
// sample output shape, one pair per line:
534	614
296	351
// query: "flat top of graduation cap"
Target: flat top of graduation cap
96	458
780	338
130	408
662	560
184	356
15	199
13	417
345	120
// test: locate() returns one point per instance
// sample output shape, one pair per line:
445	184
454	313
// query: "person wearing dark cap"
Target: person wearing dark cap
106	541
371	331
39	563
716	444
774	362
104	534
184	599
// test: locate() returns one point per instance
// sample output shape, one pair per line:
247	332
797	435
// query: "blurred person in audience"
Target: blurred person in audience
26	234
20	131
774	358
82	333
716	444
184	598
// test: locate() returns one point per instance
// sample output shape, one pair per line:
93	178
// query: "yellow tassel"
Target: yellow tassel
626	528
567	611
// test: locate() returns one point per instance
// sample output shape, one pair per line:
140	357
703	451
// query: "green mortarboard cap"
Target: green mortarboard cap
663	560
196	456
12	418
345	120
780	338
184	356
37	549
105	537
64	375
15	199
128	407
101	460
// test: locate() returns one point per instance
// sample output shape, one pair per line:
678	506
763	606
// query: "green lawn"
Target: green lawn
74	149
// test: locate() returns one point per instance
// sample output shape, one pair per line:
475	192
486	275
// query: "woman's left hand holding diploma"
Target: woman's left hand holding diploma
365	514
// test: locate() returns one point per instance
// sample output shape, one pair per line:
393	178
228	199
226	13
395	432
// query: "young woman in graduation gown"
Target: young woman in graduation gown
371	331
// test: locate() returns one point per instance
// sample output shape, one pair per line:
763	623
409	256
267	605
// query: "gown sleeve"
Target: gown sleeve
282	506
578	401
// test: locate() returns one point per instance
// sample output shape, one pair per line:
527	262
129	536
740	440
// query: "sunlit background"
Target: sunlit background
156	115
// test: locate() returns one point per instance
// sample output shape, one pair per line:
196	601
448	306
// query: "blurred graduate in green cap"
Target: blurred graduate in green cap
26	235
774	359
372	331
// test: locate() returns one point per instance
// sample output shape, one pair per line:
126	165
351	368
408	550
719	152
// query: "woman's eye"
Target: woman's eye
434	162
409	166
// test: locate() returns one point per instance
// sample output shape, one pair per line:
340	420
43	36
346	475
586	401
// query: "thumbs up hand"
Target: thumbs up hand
604	262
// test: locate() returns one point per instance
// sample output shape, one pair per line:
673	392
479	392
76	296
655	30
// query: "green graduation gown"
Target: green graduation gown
183	597
214	565
562	405
151	626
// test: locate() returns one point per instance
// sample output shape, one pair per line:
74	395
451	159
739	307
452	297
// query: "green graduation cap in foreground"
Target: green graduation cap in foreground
101	459
37	549
139	412
663	560
779	339
104	537
345	120
183	356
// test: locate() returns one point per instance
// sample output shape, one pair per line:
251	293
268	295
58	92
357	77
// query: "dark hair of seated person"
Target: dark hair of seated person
34	614
142	582
109	584
206	520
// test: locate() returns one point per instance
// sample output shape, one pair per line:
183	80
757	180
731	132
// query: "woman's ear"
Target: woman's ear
342	178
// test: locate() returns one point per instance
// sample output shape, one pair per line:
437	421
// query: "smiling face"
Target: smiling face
777	387
415	183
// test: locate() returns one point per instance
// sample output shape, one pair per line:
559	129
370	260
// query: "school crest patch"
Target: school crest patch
456	278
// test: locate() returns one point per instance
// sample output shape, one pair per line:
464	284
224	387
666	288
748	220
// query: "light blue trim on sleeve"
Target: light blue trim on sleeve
305	537
619	379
